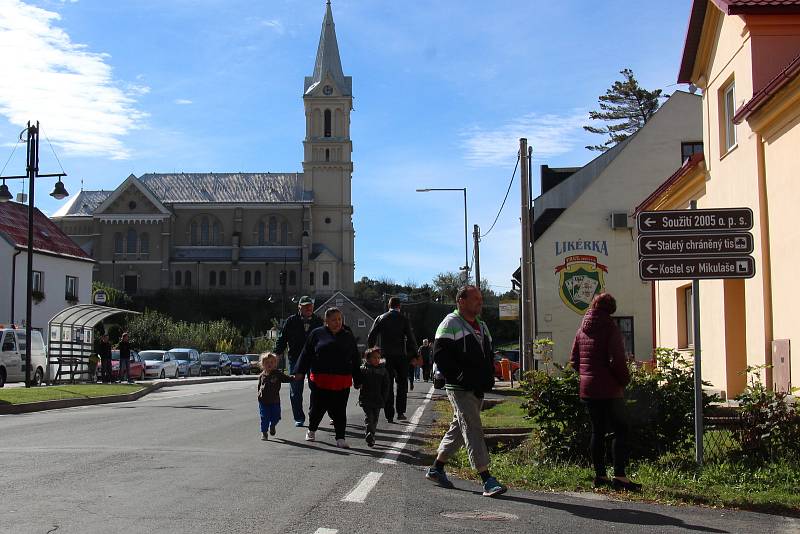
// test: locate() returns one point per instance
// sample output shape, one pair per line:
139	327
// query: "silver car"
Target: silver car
159	363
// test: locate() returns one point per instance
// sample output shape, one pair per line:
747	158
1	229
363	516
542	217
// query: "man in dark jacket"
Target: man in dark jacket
463	352
294	333
393	334
124	347
104	351
375	386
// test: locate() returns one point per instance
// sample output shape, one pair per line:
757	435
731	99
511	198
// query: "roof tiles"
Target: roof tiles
47	236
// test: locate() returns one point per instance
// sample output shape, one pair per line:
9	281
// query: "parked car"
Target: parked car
188	361
136	370
240	364
160	363
215	363
255	363
12	355
513	358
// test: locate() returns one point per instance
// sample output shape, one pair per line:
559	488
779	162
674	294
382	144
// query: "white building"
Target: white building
62	270
584	242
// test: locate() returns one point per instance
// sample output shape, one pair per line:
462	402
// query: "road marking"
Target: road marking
362	489
326	531
398	446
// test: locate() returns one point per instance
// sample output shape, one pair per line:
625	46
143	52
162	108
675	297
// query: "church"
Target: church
240	233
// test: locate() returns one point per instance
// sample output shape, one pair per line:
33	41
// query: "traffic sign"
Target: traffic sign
683	221
100	297
707	267
667	245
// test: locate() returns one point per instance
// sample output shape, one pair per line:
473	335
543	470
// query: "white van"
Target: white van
12	355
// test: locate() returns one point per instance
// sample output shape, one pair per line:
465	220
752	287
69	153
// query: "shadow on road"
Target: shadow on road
189	407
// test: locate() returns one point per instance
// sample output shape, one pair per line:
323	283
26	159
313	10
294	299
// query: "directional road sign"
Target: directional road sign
708	267
682	221
667	245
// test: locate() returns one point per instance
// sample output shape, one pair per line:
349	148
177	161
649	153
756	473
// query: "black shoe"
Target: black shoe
411	386
390	421
620	485
272	430
370	439
401	417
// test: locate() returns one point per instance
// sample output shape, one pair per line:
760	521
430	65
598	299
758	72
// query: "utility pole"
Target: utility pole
526	275
476	235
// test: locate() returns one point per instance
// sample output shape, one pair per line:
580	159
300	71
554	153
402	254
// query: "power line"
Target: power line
9	158
505	198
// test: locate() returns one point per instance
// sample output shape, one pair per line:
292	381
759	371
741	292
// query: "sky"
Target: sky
443	90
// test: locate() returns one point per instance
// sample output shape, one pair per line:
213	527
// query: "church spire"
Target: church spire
328	62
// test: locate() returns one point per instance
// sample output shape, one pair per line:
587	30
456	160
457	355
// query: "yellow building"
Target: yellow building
744	55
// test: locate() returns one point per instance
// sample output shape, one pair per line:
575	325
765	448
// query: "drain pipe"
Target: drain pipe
13	283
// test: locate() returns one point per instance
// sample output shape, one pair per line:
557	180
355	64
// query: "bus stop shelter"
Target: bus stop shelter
71	340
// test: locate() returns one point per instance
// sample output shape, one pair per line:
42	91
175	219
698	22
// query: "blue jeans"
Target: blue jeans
270	414
296	396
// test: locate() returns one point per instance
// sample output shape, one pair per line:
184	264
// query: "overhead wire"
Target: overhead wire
9	158
516	165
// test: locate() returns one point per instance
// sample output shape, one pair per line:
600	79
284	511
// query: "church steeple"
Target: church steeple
328	64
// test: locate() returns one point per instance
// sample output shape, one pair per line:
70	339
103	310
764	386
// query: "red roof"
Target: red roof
764	95
47	237
684	169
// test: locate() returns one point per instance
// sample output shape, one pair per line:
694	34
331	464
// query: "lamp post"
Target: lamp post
465	268
59	192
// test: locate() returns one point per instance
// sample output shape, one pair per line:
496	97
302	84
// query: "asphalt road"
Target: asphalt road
189	459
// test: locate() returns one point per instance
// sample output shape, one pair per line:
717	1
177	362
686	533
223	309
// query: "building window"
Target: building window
204	231
685	316
689	325
144	244
262	233
690	149
216	233
292	278
193	234
327	123
327	154
177	278
212	278
71	289
187	278
118	243
284	233
273	230
38	284
131	242
362	323
625	325
257	278
223	278
248	278
326	278
729	128
311	278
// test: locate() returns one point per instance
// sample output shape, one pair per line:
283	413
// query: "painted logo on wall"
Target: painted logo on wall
580	278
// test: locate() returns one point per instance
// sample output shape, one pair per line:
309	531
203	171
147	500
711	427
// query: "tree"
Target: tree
625	108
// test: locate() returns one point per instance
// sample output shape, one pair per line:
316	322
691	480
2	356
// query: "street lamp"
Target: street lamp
31	134
465	268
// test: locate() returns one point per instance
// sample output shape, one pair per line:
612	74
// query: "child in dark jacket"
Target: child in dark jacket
375	386
269	387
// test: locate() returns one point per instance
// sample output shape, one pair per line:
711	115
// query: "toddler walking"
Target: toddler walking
375	388
269	387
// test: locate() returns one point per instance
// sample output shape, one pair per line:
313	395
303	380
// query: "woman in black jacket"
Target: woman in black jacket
330	358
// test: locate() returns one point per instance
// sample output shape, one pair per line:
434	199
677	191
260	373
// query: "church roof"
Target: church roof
328	61
83	204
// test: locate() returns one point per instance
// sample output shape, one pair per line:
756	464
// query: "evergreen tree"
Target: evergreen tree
625	108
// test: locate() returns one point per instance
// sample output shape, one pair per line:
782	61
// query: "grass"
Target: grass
46	393
508	414
671	479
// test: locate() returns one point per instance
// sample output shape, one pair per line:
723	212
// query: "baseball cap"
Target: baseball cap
304	300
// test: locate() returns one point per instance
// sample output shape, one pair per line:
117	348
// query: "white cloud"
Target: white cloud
70	90
183	101
549	135
273	24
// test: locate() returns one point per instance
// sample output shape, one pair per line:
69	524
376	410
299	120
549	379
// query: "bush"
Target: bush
152	330
660	409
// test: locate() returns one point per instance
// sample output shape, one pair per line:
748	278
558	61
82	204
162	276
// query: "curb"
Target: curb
11	409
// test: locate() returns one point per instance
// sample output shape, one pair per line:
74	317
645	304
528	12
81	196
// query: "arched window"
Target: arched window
118	243
212	278
284	233
178	278
216	234
262	233
248	278
131	241
327	123
187	278
204	230
223	278
194	239
326	278
311	278
144	243
257	278
292	278
327	154
273	230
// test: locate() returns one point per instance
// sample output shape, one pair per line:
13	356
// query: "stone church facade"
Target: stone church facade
243	233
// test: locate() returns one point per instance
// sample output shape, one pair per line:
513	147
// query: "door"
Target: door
10	358
131	284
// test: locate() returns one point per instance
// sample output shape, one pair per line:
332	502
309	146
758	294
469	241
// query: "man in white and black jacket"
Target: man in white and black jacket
463	352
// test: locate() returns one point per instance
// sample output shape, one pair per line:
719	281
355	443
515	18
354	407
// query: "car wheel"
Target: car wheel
141	375
38	376
176	373
2	377
162	375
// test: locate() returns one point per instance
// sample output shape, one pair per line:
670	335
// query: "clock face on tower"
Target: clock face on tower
327	90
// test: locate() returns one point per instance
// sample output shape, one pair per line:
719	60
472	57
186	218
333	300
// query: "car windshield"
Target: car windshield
210	357
152	356
180	355
253	357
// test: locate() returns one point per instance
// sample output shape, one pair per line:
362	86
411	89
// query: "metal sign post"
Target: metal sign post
698	369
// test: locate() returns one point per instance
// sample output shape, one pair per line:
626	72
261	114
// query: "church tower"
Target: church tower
328	169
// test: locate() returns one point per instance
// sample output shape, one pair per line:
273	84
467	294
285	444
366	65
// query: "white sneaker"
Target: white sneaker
342	444
310	435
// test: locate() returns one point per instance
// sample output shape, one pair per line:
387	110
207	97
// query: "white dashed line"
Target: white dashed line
326	531
398	446
362	489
